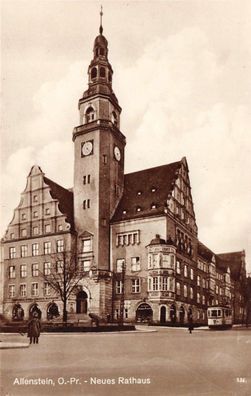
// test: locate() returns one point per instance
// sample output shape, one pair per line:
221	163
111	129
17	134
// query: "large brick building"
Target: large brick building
133	236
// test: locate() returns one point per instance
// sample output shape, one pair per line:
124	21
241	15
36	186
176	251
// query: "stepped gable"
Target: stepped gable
146	192
65	199
232	260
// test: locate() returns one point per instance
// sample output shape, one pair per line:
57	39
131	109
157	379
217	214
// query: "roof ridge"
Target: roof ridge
56	184
155	167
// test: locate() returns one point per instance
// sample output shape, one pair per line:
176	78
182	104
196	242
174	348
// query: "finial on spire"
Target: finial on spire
101	15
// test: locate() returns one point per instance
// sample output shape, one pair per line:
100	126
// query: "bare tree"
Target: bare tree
63	276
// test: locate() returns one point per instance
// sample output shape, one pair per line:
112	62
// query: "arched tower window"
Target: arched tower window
102	72
94	72
90	114
102	51
114	118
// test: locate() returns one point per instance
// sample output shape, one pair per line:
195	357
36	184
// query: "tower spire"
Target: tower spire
101	15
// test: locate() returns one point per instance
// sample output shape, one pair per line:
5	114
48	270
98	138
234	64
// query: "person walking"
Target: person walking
34	328
190	324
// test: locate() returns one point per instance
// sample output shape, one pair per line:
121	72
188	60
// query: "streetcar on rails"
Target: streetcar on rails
219	317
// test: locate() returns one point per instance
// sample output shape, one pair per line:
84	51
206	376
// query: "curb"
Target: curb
13	345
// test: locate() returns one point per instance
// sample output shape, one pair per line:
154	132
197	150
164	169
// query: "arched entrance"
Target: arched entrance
52	311
173	313
34	308
17	312
81	302
144	313
182	314
163	314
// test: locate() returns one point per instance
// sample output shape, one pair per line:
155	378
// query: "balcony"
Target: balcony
161	295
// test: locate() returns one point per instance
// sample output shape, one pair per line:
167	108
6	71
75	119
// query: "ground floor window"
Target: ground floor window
144	313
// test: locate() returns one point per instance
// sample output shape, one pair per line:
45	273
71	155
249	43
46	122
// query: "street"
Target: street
165	362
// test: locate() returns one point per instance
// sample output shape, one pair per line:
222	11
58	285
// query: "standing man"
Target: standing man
34	328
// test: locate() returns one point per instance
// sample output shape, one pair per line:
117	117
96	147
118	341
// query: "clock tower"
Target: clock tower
98	161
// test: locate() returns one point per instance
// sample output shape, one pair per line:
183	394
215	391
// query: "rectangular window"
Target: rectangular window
178	267
35	198
35	230
35	249
24	232
198	298
47	268
120	264
35	214
47	228
185	291
185	271
191	274
217	289
47	247
12	252
12	272
165	283
135	285
135	264
203	283
47	211
24	251
198	280
47	289
119	287
23	216
155	283
129	238
11	291
86	245
105	159
88	179
203	300
34	270
34	289
60	246
23	290
191	293
85	265
23	271
59	267
178	288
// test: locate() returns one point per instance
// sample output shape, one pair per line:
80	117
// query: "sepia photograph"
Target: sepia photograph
125	248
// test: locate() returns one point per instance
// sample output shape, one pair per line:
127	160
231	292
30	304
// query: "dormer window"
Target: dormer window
139	192
93	72
124	211
153	189
90	114
138	209
153	206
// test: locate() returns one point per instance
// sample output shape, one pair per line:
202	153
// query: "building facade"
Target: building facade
133	236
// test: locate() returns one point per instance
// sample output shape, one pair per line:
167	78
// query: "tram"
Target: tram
219	317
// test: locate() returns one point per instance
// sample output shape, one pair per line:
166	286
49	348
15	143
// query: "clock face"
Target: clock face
87	148
117	153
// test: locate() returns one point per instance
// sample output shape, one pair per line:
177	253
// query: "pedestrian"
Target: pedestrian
34	328
190	325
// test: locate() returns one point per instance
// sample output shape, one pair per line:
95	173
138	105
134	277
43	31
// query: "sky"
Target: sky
182	73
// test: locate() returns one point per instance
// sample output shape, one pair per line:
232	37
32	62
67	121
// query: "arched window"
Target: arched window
94	72
102	51
102	72
90	114
115	120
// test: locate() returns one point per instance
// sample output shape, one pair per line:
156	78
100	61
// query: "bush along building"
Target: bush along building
133	237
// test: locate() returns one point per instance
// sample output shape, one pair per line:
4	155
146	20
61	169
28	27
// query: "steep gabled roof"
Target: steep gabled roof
146	192
204	251
233	260
64	197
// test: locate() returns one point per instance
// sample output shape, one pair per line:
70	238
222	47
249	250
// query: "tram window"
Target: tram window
214	312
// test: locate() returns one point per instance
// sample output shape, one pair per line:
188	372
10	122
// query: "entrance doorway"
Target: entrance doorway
163	314
144	313
81	302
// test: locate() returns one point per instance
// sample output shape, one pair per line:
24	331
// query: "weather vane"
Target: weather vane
101	15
